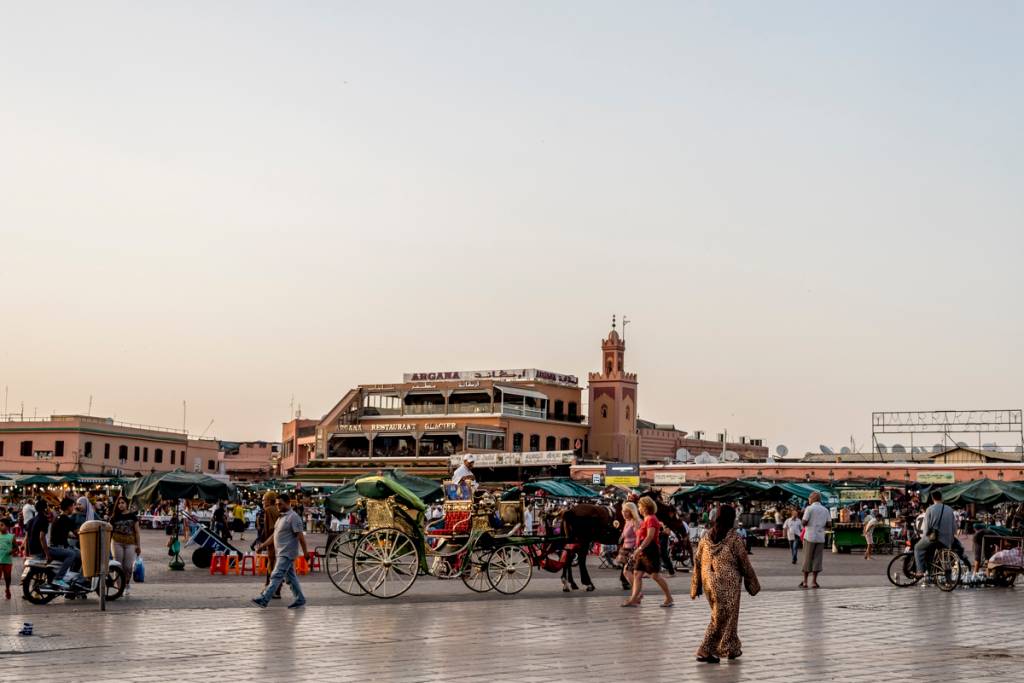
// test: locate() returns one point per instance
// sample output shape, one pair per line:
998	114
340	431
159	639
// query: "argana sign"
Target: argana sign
517	374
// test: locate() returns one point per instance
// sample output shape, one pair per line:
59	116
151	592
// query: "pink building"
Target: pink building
248	460
298	444
60	444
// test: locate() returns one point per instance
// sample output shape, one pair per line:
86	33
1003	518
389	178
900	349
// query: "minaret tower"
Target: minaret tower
613	434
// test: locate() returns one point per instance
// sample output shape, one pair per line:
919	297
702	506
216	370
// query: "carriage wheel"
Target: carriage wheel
385	562
946	570
339	564
509	569
474	571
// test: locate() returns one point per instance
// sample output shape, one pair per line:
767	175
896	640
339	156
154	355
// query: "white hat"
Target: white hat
468	458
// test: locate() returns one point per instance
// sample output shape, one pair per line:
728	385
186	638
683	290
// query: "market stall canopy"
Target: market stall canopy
36	479
177	484
744	488
345	497
684	493
983	492
560	488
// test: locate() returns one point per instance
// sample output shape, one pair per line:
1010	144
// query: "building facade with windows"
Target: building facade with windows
421	422
82	443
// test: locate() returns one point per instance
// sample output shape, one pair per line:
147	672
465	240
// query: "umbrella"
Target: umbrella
344	498
177	484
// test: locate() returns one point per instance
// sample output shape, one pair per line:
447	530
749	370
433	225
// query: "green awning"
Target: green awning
684	493
36	479
177	484
983	492
561	487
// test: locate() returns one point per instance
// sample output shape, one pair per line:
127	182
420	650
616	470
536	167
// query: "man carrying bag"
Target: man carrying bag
939	531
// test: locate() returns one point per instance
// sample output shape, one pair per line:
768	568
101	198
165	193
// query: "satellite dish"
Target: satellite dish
826	450
682	455
962	444
845	450
705	458
915	449
730	456
898	448
770	460
882	447
938	448
781	450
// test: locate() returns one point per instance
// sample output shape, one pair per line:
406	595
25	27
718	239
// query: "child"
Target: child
6	546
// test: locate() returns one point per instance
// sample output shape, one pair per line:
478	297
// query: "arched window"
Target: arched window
534	442
604	411
549	443
563	445
517	442
627	412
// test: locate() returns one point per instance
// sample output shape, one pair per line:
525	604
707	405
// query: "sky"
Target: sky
810	211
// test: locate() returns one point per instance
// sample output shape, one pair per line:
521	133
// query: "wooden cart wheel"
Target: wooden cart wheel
339	564
474	571
385	562
509	569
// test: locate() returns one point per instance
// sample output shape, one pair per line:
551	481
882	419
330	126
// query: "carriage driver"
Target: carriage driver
464	479
465	471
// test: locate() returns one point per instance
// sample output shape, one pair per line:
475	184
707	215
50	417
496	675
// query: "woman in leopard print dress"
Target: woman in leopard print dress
720	568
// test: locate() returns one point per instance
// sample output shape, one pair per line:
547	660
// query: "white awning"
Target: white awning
516	391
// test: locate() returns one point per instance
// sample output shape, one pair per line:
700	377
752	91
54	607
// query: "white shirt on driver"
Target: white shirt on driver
462	473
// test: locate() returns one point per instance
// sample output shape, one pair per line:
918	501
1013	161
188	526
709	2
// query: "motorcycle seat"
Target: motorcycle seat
41	562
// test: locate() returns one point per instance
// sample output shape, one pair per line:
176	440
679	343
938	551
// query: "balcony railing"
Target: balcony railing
523	411
425	409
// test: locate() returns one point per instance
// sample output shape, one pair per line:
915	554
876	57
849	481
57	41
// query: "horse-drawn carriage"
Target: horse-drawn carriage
478	540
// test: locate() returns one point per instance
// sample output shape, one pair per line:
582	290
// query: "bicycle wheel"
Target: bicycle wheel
385	562
509	569
474	571
947	571
902	572
339	564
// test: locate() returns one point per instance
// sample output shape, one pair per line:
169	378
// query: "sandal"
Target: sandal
667	604
629	603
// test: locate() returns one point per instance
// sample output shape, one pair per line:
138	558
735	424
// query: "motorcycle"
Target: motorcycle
38	588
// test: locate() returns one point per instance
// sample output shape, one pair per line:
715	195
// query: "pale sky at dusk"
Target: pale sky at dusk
809	210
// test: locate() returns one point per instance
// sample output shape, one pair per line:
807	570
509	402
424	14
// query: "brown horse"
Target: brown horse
585	524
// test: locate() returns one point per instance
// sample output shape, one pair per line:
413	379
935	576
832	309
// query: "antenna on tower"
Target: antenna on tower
291	408
89	412
625	321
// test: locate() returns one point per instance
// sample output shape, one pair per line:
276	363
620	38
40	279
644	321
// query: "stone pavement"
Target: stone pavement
857	634
193	627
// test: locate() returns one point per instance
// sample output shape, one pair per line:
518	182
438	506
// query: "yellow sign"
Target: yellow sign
935	478
622	481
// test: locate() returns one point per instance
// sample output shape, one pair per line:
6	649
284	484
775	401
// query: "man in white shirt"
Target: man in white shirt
465	471
870	522
28	511
793	526
816	518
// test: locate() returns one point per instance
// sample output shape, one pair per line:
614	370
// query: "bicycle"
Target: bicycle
944	568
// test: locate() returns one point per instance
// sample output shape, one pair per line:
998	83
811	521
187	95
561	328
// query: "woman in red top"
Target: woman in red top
647	559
